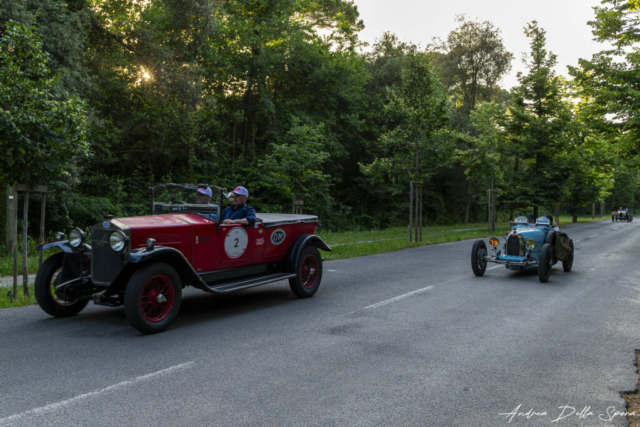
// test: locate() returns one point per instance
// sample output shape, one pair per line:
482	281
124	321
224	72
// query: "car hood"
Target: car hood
532	233
158	221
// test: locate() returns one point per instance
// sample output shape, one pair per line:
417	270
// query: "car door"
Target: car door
237	243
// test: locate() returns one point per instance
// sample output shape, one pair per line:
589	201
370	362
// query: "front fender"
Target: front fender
304	240
164	254
65	246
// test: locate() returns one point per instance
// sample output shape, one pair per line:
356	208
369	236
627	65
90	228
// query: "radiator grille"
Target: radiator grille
105	262
513	246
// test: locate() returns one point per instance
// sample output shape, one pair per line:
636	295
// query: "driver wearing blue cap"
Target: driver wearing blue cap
239	213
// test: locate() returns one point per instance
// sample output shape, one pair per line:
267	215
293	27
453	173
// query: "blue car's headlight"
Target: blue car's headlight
530	244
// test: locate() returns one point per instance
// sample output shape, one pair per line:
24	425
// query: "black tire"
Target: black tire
552	239
143	304
308	273
568	263
544	265
478	264
48	276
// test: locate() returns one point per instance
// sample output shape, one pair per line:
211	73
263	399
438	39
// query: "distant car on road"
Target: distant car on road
144	262
622	215
527	247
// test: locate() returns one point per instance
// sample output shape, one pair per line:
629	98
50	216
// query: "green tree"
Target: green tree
418	142
472	60
539	126
612	77
41	132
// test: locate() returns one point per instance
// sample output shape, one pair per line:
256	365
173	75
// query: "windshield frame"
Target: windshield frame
218	194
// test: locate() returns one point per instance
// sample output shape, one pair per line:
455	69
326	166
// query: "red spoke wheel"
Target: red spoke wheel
152	299
47	279
308	273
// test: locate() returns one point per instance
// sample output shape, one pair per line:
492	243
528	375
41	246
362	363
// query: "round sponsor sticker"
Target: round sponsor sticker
236	242
106	224
278	236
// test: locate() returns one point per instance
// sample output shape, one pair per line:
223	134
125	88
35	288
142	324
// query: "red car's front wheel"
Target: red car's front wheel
152	299
308	273
47	279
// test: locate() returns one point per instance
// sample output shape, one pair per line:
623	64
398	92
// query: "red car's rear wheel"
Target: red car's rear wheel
152	299
308	273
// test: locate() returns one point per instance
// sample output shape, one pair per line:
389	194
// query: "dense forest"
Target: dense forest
101	99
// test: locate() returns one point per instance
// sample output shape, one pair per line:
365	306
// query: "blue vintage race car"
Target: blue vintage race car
527	247
622	215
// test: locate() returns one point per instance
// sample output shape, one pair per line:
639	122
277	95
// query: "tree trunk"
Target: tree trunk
593	212
574	213
557	214
535	212
25	270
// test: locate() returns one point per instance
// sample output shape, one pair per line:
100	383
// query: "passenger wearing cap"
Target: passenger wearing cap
203	196
239	213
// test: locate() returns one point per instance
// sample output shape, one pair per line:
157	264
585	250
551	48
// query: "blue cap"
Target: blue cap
241	191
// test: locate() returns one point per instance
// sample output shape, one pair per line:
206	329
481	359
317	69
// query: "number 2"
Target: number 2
237	241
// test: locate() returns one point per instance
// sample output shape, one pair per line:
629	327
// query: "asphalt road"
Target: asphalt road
453	350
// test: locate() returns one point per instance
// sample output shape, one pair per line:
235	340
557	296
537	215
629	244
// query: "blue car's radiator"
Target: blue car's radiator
513	246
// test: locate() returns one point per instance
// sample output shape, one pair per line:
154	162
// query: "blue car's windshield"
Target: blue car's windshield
521	220
542	221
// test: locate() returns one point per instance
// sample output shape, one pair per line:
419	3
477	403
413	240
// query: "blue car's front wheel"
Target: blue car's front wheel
478	263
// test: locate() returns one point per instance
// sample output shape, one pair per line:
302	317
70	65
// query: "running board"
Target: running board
249	283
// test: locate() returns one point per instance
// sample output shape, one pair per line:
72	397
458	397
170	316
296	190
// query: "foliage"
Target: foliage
282	97
40	130
472	60
538	126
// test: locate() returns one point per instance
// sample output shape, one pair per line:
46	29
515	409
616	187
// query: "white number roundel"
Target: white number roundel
236	242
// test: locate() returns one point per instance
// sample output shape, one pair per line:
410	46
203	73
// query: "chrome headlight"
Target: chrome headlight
530	244
76	237
117	241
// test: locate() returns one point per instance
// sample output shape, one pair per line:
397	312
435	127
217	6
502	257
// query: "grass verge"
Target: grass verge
20	301
352	244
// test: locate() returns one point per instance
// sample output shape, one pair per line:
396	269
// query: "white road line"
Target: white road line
575	241
66	403
592	236
398	298
497	266
332	271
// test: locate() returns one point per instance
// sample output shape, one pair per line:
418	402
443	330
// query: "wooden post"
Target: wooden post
410	211
9	218
557	214
25	270
489	211
493	210
421	205
602	208
14	245
417	199
593	211
42	218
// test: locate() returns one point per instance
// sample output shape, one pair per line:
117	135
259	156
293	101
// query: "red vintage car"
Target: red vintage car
144	262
